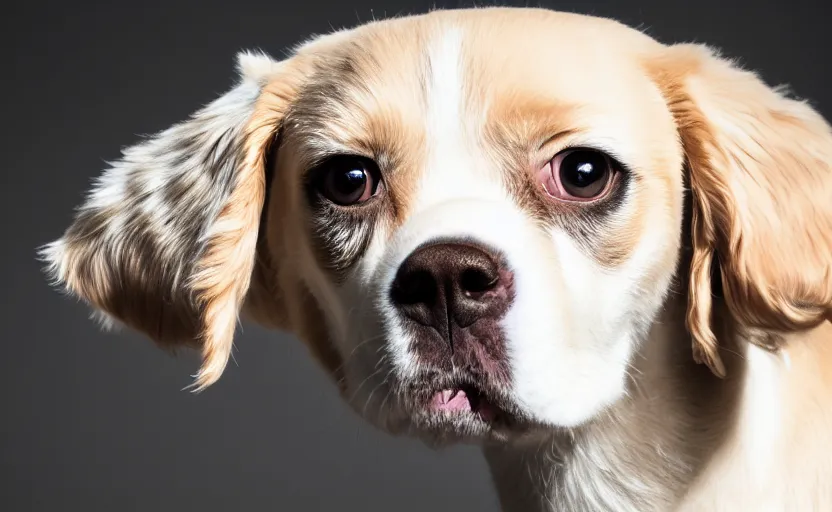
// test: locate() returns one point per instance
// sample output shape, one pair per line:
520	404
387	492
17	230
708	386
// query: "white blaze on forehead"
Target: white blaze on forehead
445	86
453	167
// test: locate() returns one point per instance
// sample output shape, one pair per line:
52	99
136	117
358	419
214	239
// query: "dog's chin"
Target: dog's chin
446	428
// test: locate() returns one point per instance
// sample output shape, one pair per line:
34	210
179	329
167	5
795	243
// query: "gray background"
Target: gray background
98	422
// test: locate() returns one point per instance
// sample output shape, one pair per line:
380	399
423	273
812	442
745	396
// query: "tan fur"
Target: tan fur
225	269
756	164
524	116
760	177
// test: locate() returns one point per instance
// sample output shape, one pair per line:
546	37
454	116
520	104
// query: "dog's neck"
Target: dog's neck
643	453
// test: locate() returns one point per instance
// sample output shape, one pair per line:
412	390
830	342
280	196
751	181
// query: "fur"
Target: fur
713	245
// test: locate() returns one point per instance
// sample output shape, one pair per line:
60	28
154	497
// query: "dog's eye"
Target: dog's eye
348	180
579	175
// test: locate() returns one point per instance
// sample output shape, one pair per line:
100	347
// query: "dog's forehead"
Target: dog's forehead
381	84
501	50
471	93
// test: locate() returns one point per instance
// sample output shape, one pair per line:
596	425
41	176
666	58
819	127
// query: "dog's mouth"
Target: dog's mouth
465	399
462	408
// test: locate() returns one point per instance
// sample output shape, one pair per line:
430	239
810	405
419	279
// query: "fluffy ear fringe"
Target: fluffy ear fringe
760	168
256	66
165	241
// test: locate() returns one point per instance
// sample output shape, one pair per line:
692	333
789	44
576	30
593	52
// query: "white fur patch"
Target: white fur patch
569	355
256	66
762	409
455	167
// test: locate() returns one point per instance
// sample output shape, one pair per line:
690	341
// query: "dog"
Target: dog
603	258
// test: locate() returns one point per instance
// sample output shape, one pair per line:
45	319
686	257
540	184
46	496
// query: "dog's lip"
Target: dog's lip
467	399
464	400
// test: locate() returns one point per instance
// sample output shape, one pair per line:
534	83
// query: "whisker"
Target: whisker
355	393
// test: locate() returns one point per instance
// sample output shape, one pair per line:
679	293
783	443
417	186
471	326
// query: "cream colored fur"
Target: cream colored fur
726	183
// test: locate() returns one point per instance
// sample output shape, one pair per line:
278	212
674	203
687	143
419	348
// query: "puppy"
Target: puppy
514	227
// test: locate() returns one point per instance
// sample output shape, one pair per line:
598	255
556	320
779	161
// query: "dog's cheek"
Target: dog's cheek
363	338
290	289
579	366
567	343
312	329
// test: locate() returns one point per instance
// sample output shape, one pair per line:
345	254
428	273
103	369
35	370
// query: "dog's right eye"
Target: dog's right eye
347	180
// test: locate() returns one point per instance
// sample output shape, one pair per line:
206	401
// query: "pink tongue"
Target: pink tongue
451	400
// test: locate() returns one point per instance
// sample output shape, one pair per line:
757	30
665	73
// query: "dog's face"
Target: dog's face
472	217
486	225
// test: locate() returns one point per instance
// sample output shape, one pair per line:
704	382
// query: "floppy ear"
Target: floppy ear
165	242
760	174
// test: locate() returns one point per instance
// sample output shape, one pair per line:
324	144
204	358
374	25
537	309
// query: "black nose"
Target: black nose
446	285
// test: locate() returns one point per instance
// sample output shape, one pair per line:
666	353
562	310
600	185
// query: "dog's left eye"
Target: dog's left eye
579	175
348	180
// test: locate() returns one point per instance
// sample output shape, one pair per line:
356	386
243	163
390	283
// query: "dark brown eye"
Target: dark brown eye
348	180
579	175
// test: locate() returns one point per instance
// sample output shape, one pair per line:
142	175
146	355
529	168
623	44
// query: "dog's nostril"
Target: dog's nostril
416	287
474	281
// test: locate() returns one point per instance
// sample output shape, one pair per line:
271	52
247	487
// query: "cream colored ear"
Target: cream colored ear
760	170
166	241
